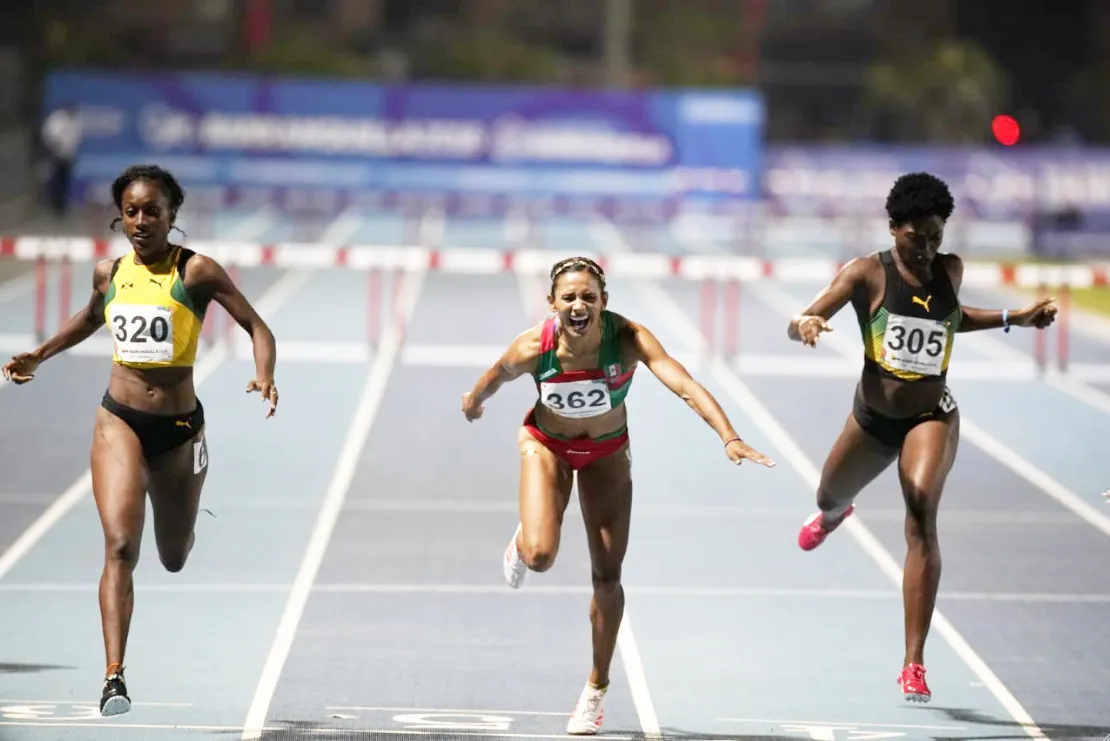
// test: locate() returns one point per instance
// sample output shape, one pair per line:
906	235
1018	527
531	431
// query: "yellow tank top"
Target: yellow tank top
153	321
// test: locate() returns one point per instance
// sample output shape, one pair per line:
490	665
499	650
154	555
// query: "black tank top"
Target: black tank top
910	336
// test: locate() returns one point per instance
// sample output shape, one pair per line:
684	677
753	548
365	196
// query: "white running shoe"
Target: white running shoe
587	715
512	564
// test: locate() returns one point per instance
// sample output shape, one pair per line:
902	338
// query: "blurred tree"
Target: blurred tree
490	54
1086	107
72	42
300	49
691	43
946	92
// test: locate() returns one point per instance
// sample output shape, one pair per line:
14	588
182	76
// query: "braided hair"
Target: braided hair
573	264
175	194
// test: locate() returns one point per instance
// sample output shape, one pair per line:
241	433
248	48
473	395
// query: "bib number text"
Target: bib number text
577	399
914	345
142	333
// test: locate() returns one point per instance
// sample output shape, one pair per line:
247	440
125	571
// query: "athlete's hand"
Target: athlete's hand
738	450
21	368
471	408
269	393
810	327
1039	315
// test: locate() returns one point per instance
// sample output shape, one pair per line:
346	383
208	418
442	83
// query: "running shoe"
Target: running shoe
114	699
513	565
912	681
587	715
814	531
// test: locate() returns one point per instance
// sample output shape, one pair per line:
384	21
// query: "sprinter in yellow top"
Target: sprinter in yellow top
149	433
153	319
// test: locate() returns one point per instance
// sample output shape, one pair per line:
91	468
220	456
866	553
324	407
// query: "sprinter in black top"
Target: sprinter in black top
906	301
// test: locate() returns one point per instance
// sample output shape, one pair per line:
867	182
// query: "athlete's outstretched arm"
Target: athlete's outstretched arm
518	359
808	325
218	284
1039	314
78	328
675	377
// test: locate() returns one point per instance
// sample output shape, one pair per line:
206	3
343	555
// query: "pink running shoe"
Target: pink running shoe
912	681
814	532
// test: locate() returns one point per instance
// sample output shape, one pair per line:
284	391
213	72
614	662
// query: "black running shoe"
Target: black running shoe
114	699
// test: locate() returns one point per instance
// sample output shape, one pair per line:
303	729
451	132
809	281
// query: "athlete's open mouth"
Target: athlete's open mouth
579	323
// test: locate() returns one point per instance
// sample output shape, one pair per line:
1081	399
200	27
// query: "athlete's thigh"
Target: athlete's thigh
176	481
605	492
545	485
120	478
854	461
927	457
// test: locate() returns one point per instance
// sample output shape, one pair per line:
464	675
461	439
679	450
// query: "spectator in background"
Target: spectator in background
61	135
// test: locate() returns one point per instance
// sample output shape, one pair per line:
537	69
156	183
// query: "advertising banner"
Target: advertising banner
987	182
1059	196
242	137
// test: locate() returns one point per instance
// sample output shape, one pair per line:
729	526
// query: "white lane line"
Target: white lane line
626	641
611	241
270	301
779	300
372	394
340	231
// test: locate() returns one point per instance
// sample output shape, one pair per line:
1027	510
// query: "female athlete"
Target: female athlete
149	433
906	302
582	359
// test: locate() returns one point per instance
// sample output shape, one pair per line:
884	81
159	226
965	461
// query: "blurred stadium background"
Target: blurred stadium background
777	125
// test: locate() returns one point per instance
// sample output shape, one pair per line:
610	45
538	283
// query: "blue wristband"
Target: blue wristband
1005	320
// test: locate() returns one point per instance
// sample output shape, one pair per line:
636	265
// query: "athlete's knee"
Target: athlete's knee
607	580
173	560
921	512
538	552
121	549
173	556
831	498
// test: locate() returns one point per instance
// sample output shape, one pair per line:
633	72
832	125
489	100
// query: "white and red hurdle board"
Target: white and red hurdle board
463	260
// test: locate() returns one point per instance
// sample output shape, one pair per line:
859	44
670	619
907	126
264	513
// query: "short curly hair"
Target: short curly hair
918	195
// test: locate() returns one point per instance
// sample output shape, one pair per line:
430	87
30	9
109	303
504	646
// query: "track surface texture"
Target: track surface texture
347	583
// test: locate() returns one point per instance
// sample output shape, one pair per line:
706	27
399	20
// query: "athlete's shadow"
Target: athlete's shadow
1054	731
680	735
31	668
289	730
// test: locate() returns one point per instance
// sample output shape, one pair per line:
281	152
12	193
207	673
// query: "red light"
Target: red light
1006	130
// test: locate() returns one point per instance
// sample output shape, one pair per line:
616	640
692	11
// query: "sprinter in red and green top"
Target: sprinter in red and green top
582	359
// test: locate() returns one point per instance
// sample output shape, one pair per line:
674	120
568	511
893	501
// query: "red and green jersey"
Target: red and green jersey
579	394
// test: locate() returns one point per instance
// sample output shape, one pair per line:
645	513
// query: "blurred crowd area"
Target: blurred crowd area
830	72
880	70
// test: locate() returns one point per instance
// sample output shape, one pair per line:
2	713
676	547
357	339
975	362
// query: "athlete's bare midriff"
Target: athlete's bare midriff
604	424
153	390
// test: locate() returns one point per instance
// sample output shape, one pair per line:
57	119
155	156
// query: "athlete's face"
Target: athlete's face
147	218
919	241
578	300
